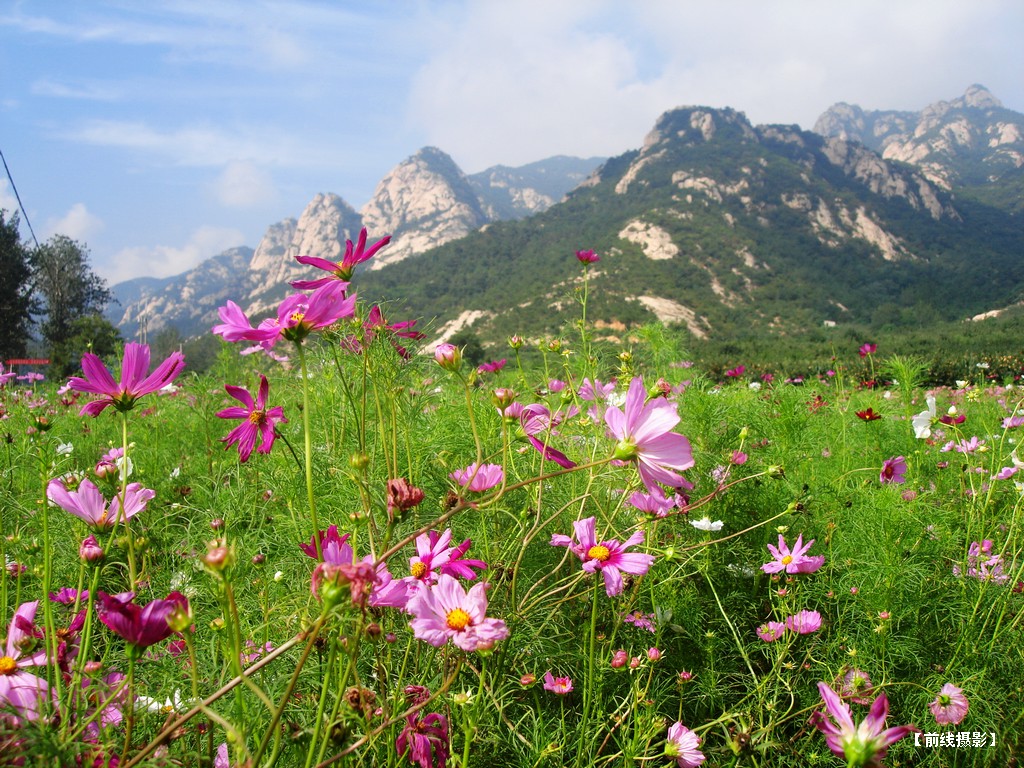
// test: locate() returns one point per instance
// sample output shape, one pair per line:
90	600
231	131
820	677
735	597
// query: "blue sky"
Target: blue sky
161	133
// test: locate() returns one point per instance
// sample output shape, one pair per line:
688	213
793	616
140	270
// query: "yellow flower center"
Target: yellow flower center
457	619
296	317
258	418
599	552
418	569
787	560
7	665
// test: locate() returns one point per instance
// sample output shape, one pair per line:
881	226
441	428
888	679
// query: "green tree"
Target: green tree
15	290
69	292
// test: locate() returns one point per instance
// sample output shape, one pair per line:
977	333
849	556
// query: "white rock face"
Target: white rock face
655	242
423	202
668	312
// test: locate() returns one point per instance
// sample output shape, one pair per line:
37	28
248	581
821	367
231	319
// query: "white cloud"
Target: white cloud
166	260
82	91
520	80
78	224
243	184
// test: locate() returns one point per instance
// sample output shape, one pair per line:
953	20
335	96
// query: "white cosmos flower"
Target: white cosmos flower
922	423
65	449
705	524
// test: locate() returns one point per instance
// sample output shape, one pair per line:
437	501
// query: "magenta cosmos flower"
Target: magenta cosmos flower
88	503
140	626
683	746
297	316
558	685
425	739
447	612
587	257
893	470
644	433
535	419
134	381
861	745
609	557
795	560
19	688
375	323
479	477
950	706
340	270
258	421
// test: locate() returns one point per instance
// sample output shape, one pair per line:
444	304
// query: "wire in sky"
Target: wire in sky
17	197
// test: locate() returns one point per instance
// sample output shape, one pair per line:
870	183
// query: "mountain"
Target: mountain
424	202
726	229
187	301
971	143
716	225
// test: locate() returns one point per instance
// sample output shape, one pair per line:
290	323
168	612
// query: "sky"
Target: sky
159	134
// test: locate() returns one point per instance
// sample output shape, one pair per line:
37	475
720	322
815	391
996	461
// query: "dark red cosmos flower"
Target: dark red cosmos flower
868	415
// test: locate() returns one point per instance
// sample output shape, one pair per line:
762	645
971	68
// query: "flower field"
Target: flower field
338	551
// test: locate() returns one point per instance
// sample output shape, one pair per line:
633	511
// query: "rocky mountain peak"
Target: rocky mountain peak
949	141
424	201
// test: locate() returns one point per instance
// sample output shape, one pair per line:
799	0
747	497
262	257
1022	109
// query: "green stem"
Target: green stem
308	444
591	681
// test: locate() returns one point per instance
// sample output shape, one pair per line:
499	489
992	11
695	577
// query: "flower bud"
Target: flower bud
218	555
180	618
90	551
619	659
448	356
516	342
503	397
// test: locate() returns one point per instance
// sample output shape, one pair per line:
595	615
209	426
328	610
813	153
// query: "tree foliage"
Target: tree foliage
72	301
15	293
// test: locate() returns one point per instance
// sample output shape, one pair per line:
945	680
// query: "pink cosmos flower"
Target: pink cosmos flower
492	367
447	612
19	688
425	740
644	434
795	561
561	686
258	422
683	745
609	557
134	381
856	687
535	420
893	470
375	323
334	547
950	706
113	462
862	745
88	504
587	257
297	316
435	555
771	631
867	349
479	477
804	623
341	270
140	626
653	503
385	590
6	376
